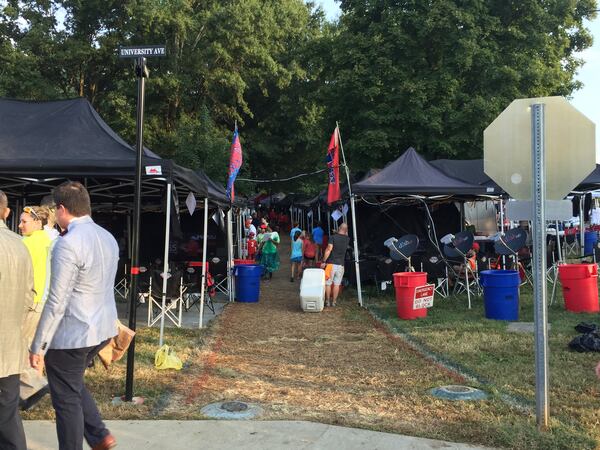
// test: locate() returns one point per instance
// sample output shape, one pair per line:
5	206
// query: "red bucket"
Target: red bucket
405	284
243	262
580	287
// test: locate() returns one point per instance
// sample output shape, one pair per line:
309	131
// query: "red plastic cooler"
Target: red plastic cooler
405	284
580	287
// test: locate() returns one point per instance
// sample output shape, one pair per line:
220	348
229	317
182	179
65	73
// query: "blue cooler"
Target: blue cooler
590	239
501	294
247	282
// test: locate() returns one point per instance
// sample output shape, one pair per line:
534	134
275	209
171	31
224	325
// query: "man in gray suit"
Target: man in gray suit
16	301
78	319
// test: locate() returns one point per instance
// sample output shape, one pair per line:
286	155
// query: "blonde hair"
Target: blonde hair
42	213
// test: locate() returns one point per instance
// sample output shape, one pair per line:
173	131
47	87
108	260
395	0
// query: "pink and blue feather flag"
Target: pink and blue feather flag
235	162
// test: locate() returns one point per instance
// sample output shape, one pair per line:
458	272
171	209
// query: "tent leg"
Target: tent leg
165	266
356	255
204	247
230	256
582	224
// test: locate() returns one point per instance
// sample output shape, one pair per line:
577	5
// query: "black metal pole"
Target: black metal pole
140	71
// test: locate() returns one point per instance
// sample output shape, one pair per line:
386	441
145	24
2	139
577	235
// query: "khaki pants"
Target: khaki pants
32	380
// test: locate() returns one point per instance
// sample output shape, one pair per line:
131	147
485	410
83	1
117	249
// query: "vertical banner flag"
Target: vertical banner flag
235	162
333	168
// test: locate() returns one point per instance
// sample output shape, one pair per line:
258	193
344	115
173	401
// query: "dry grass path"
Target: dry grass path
337	367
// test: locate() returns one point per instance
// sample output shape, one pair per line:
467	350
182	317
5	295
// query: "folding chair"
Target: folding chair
467	278
174	301
121	287
437	270
193	284
570	245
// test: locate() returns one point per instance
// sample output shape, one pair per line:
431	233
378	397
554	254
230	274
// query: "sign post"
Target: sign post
538	195
141	72
531	141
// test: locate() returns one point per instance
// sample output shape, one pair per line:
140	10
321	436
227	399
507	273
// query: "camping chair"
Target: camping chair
570	245
193	284
458	247
218	267
121	287
437	271
174	298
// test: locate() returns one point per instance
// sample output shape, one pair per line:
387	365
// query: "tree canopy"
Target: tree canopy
394	73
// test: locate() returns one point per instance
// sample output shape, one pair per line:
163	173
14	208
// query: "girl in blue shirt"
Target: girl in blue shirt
296	257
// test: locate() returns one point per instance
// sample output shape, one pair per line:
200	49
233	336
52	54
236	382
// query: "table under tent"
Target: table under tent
42	144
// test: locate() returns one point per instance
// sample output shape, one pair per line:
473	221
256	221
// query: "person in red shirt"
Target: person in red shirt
309	251
252	246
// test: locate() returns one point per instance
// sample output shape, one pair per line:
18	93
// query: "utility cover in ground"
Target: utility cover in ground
570	148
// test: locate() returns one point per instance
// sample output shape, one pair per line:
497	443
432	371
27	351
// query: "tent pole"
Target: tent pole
230	255
558	242
354	229
165	266
582	224
204	247
135	270
129	236
239	234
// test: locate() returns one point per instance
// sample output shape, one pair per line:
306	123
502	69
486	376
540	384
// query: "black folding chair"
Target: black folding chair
174	302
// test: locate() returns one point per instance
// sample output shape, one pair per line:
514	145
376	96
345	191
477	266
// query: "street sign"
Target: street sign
143	51
423	296
554	210
570	149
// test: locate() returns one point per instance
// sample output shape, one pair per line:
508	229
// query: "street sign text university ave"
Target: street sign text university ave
143	51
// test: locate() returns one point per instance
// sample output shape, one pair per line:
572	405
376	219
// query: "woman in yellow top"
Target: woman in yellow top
39	243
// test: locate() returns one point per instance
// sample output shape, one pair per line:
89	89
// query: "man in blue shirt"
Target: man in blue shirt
317	235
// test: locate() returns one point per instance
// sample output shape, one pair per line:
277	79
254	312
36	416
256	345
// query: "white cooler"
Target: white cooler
312	290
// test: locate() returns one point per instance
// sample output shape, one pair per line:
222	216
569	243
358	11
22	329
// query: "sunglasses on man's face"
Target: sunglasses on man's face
29	210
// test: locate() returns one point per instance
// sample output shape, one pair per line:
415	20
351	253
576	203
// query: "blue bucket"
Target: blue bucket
501	294
591	237
247	283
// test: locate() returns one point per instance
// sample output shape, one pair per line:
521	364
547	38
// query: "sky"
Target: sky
586	100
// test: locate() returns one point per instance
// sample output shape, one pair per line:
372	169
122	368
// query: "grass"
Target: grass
344	367
153	385
503	362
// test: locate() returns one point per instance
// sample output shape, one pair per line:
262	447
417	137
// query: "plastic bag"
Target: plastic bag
165	358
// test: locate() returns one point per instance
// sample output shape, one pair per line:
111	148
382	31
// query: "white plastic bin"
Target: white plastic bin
312	290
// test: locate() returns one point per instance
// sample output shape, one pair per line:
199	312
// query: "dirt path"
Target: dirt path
338	366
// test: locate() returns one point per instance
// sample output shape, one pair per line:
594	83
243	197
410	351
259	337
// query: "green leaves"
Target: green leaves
394	73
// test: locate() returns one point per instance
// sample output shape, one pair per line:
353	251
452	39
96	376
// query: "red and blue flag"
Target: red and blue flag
333	168
235	162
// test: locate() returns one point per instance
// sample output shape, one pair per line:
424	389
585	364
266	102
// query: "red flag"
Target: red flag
333	168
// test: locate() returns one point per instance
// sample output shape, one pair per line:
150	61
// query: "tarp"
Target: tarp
412	174
467	170
471	171
67	138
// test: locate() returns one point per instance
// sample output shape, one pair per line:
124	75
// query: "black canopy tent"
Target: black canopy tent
411	174
44	143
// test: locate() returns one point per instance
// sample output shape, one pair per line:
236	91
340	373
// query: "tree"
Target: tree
434	74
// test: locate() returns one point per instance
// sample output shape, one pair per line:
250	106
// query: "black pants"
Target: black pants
12	436
77	415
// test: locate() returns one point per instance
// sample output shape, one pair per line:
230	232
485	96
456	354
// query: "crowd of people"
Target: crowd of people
59	311
308	250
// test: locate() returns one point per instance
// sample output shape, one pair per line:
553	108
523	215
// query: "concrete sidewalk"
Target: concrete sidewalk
228	434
